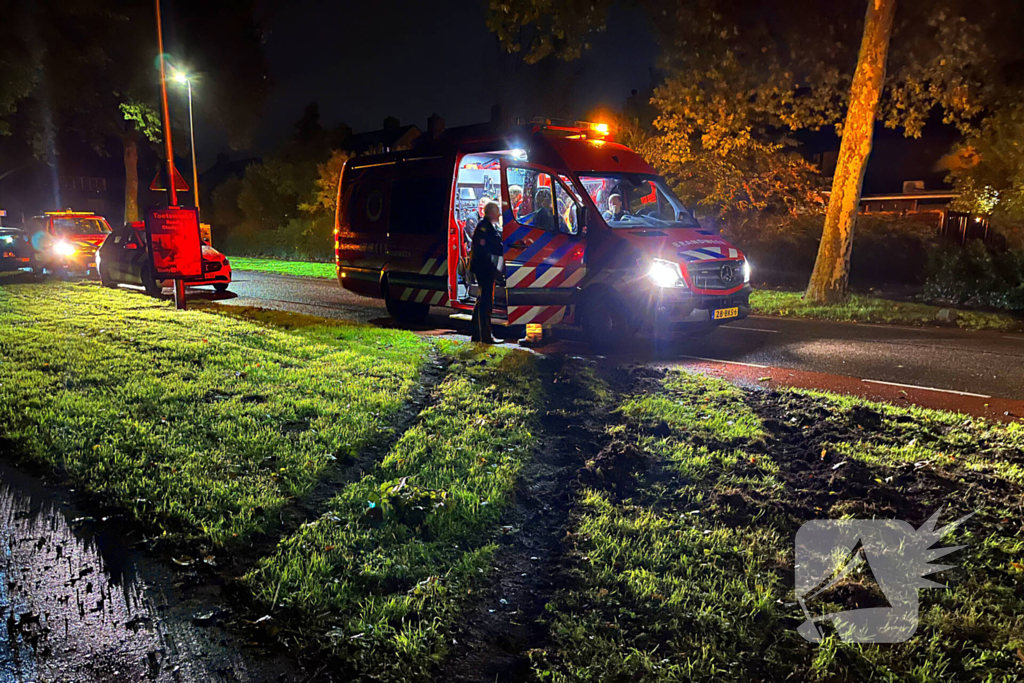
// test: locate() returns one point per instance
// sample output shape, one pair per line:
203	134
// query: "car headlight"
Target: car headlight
746	272
7	239
665	273
63	248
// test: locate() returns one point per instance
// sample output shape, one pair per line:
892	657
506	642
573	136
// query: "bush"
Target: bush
886	249
977	275
300	239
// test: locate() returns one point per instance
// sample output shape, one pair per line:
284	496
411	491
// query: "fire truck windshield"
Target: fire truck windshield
637	201
66	227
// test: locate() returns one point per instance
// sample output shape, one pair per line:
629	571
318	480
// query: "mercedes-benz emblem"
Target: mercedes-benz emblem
727	273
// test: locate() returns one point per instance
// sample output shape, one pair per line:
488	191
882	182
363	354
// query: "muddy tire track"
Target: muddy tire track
504	621
314	504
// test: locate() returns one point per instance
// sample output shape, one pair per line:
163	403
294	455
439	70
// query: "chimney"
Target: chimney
435	125
391	123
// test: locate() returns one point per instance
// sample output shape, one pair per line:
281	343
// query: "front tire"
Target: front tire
220	287
153	288
605	323
105	278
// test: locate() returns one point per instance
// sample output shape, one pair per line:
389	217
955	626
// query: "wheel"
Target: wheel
605	322
403	311
220	287
105	278
153	288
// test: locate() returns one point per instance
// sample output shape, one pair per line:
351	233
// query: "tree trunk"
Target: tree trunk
831	276
131	176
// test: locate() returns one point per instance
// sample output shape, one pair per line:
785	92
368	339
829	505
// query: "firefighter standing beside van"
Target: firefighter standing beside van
484	259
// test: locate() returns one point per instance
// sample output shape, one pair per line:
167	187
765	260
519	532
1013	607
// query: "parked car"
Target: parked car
15	250
65	242
123	258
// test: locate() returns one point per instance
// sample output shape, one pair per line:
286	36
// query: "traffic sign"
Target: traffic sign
158	181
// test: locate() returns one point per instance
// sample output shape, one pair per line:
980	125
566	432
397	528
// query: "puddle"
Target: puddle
78	604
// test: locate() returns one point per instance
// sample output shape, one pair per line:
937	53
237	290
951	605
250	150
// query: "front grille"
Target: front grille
709	274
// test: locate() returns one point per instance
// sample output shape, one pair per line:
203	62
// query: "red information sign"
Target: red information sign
176	249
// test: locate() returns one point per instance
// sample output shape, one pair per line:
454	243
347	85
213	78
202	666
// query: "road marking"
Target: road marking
916	386
1015	337
752	329
729	362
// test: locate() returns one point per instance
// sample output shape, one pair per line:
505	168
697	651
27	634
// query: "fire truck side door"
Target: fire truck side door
544	258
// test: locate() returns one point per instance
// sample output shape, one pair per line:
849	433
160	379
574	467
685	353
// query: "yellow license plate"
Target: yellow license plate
724	313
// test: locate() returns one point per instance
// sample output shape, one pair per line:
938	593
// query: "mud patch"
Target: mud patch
81	604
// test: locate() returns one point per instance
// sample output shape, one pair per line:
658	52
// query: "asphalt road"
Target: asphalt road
988	364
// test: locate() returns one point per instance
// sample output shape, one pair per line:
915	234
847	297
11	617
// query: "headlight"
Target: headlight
746	272
665	273
62	248
7	239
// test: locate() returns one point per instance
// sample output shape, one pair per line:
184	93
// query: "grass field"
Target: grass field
671	501
384	572
867	309
199	424
297	268
681	569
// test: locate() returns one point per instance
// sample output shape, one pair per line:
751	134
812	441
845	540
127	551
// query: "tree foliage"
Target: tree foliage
284	206
742	75
89	68
789	63
988	171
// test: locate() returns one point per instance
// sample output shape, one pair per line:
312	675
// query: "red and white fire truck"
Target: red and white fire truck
593	236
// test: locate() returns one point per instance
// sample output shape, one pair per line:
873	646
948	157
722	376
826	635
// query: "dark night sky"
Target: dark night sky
363	61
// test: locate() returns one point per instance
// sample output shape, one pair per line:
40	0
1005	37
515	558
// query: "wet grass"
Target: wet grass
201	425
867	309
683	492
381	577
297	268
687	575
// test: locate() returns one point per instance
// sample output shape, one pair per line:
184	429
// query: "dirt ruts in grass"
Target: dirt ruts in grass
505	623
352	469
805	435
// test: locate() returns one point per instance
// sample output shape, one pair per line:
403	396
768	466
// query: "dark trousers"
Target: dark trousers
482	309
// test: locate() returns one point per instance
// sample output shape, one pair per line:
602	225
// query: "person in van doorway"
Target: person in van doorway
615	211
545	216
487	250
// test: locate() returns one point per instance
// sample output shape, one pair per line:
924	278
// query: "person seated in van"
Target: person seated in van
484	264
515	196
544	217
615	210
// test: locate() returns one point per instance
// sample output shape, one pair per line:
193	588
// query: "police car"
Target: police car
124	258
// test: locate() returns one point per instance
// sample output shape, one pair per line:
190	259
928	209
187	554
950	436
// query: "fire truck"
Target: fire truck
592	235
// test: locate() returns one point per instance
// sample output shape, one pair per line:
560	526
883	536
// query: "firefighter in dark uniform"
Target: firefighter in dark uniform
484	258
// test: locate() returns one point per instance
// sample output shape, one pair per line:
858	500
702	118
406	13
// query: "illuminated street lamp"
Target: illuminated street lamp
182	78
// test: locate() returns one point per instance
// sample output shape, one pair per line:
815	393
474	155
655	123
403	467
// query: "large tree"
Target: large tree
744	73
90	69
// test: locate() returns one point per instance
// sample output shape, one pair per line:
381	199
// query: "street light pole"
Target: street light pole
179	284
192	133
